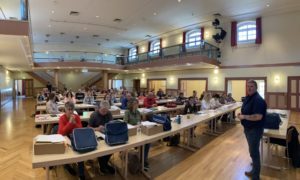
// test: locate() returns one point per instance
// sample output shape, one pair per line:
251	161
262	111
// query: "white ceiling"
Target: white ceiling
138	18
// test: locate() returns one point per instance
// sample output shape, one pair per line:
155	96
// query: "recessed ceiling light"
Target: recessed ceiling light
49	25
97	16
85	28
188	64
179	1
47	52
268	5
155	13
52	11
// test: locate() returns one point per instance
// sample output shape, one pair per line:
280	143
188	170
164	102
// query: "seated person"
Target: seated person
125	100
97	121
190	106
230	99
70	97
88	98
180	99
51	105
150	101
223	98
40	97
160	93
214	102
108	98
79	95
205	103
133	117
67	123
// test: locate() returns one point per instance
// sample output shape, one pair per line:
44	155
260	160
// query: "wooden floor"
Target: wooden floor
223	157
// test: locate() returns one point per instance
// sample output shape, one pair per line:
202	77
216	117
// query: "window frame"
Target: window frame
155	47
247	29
188	38
132	54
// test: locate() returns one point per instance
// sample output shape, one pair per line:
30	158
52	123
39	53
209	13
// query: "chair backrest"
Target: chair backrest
293	145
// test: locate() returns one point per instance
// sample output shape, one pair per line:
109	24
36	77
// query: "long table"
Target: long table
42	108
70	156
275	133
43	119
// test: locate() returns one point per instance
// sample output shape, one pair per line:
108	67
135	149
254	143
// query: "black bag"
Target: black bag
116	132
163	119
174	140
272	121
83	140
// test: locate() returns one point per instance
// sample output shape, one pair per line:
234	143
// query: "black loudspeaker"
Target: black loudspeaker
223	34
216	22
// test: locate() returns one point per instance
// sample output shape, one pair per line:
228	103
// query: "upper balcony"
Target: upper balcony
200	54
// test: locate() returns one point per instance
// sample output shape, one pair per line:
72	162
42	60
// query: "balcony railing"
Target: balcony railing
68	56
180	50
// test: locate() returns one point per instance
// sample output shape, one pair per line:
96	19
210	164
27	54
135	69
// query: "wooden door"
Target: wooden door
294	93
137	85
28	86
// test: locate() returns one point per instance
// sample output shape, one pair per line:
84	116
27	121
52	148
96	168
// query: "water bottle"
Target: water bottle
139	128
178	119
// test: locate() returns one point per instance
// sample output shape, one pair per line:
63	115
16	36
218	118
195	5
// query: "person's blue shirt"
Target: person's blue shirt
124	103
254	104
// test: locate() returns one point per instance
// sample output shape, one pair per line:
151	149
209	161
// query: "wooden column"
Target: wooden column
56	78
105	79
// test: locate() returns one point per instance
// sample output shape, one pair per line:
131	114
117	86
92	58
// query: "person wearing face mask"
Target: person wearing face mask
252	117
97	121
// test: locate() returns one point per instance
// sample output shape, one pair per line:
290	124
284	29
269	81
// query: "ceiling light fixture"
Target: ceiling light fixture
268	5
47	52
179	1
85	28
49	25
188	64
52	11
97	16
155	13
118	20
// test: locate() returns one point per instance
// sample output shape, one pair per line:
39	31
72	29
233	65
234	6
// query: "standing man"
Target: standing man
252	117
49	86
97	121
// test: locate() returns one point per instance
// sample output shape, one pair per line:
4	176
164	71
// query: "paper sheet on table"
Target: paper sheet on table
112	108
148	123
144	110
53	138
129	126
99	134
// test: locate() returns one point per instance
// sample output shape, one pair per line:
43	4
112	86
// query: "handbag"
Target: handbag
163	119
83	140
116	132
272	121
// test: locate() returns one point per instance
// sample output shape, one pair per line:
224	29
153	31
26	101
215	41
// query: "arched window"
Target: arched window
155	47
193	38
246	32
132	53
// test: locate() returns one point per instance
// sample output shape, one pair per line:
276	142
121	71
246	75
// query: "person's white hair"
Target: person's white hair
104	104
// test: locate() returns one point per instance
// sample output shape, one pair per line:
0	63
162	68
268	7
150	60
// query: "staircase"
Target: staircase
44	77
94	80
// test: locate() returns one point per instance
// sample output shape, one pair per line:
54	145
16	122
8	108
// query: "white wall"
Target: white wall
216	82
280	43
24	75
6	78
